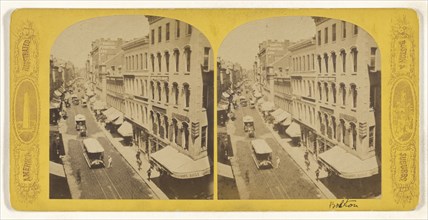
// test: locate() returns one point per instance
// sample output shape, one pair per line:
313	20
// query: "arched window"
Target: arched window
354	95
354	135
342	131
161	128
177	60
186	89
333	90
165	120
175	131
326	62
152	119
188	53
354	53
319	62
167	61
166	89
320	90
152	88
152	59
326	91
333	125
343	55
327	125
159	89
159	62
333	59
343	91
186	135
176	92
310	88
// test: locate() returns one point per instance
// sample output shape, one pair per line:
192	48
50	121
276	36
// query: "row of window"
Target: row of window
343	132
168	32
328	90
115	102
136	62
333	35
305	113
326	59
115	87
283	104
304	63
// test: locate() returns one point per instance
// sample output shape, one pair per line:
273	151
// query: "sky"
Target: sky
241	45
74	43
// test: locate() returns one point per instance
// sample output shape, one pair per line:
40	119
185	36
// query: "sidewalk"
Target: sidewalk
129	154
297	154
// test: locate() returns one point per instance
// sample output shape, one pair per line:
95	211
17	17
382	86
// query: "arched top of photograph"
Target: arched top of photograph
283	36
103	42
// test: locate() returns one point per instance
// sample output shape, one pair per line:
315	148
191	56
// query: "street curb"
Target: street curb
327	193
159	193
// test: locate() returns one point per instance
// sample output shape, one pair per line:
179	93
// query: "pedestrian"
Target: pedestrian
139	163
306	155
278	160
78	176
308	163
149	173
138	155
317	173
110	161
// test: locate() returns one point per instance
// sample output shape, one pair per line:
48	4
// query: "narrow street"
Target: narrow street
118	182
287	181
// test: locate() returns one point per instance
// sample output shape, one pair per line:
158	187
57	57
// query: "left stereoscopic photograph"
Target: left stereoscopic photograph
131	110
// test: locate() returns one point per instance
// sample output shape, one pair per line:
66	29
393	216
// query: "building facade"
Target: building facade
180	88
347	66
303	80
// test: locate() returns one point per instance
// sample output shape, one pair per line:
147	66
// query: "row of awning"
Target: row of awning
179	165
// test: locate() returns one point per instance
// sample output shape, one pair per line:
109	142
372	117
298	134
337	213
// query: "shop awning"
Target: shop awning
277	112
267	106
56	169
179	165
113	115
108	111
225	170
225	95
119	120
286	122
293	130
99	105
125	129
279	118
347	165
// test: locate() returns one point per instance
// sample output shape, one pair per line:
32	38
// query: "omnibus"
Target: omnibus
93	153
262	154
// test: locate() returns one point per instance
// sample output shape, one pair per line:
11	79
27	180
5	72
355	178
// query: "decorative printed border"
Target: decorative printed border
25	113
403	115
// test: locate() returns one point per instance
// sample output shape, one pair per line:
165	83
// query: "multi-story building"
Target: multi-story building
102	50
303	79
136	81
181	97
347	66
270	52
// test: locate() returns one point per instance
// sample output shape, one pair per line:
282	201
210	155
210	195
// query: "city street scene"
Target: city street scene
299	111
131	110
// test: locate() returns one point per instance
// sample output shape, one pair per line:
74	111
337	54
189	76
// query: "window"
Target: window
152	58
141	61
319	62
343	29
159	88
186	89
313	62
159	62
354	53
343	55
343	91
167	32
145	61
167	61
153	36
152	87
333	34
326	62
206	57
204	138
354	136
373	58
188	52
161	128
176	92
309	89
175	131
159	34
189	29
166	89
319	37
333	90
355	29
177	60
333	59
329	130
177	28
354	95
343	131
326	91
373	94
333	125
307	58
371	136
186	135
320	90
326	35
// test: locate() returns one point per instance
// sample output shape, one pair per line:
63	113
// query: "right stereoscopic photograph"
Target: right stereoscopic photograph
299	111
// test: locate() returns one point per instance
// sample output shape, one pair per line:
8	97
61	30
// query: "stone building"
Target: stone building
181	98
347	66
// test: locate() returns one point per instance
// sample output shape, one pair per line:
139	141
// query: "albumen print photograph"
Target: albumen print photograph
131	110
299	111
